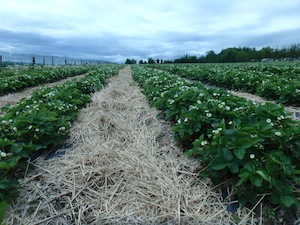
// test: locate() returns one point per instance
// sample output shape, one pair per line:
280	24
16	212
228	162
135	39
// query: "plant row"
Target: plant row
15	79
256	146
41	122
279	82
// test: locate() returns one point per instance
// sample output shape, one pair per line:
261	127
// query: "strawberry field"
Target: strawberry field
43	120
275	81
255	145
17	78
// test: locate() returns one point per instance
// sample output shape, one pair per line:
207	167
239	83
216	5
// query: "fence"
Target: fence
34	59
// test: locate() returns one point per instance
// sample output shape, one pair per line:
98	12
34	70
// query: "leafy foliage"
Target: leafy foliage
42	121
279	82
255	145
12	80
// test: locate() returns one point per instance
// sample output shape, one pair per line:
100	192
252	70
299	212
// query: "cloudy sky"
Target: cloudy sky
118	29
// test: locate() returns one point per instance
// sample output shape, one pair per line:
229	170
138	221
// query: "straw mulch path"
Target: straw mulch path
123	168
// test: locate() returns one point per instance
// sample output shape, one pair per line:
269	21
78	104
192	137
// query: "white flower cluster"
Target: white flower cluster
253	135
171	101
217	131
62	128
281	117
270	122
278	133
239	108
9	125
4	154
193	107
8	121
184	88
208	114
50	94
203	143
185	120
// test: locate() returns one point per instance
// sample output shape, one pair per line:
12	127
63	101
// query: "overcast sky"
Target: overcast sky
118	29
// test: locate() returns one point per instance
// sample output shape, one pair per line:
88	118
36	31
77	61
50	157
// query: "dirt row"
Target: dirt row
123	168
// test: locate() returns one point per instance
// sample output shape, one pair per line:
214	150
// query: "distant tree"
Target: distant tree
161	61
202	59
186	59
227	55
132	61
192	59
157	61
211	56
266	52
145	62
294	50
277	53
141	62
151	61
243	54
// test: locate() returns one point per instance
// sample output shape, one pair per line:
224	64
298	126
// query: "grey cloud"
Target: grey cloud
166	45
132	30
24	42
73	46
274	39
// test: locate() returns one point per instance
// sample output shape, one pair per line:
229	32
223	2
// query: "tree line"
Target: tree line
149	61
245	54
233	54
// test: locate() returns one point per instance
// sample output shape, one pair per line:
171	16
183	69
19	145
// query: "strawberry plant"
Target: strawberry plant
256	146
12	80
40	122
279	82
